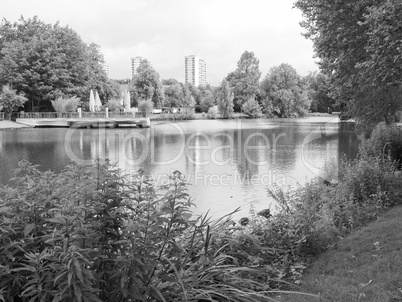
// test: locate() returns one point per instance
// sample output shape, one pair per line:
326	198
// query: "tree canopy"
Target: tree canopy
359	47
245	79
283	89
10	100
225	100
46	61
146	84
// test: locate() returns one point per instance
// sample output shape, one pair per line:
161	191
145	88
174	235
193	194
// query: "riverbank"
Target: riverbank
364	266
4	125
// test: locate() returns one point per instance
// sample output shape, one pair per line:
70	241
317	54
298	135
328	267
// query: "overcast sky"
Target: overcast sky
164	31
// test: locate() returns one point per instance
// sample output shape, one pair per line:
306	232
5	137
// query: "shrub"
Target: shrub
145	107
62	104
384	141
114	105
252	109
90	234
212	113
10	100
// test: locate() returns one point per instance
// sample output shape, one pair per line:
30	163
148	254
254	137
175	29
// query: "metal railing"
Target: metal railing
75	114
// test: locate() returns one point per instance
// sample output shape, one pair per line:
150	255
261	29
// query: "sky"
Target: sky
165	31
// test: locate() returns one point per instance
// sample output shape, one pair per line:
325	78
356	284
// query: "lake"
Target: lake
229	163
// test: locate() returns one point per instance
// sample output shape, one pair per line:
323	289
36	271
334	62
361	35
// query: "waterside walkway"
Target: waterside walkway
12	125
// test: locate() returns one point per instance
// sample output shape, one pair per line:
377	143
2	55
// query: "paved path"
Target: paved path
11	125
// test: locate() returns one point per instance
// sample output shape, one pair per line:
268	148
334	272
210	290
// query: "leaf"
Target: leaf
28	228
78	293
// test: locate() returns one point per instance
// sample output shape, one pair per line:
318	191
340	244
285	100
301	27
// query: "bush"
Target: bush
63	104
385	141
212	113
114	105
90	234
252	109
145	107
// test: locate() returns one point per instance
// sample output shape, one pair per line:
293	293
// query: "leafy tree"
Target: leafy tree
252	108
318	91
212	113
145	107
97	78
187	99
245	79
114	105
207	101
225	100
195	92
172	95
358	43
48	61
146	84
284	88
62	104
10	100
169	82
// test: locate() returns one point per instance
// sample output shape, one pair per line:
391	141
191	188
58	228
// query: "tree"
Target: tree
251	108
172	95
46	61
358	44
62	104
187	99
146	84
145	107
225	100
245	79
207	101
284	88
10	100
318	92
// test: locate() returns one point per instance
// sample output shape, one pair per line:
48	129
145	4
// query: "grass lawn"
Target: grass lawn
364	266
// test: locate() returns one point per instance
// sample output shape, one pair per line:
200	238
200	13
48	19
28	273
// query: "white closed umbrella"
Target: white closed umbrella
91	101
98	102
127	101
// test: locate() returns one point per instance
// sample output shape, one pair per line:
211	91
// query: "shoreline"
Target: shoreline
9	125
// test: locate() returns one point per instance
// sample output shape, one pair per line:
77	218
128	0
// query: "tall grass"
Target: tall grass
90	234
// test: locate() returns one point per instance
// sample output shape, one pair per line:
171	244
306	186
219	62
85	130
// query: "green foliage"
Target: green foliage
207	101
251	108
385	141
10	100
212	113
145	107
114	105
187	99
318	92
173	95
45	61
146	84
90	234
312	217
225	100
358	44
245	79
62	104
284	88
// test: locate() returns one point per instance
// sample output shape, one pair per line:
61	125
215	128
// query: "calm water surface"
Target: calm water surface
229	163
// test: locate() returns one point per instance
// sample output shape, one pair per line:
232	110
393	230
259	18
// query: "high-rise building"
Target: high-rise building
135	62
195	70
105	66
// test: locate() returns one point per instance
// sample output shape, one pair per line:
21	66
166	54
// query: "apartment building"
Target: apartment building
195	70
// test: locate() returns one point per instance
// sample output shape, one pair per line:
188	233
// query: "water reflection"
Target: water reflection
229	163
